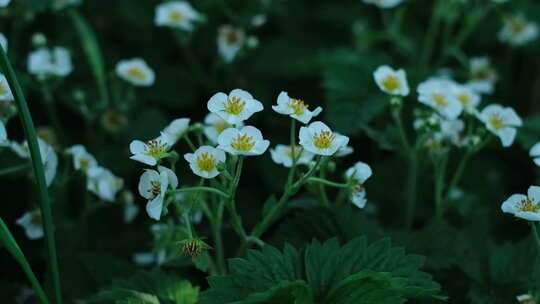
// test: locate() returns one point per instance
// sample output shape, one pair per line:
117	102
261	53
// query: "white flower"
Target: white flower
245	141
177	128
204	161
296	108
282	155
358	174
391	81
230	41
32	224
318	138
384	3
103	183
535	153
60	4
437	94
176	14
344	151
258	20
136	72
5	90
45	62
4	3
82	160
468	98
214	125
524	206
152	151
3	42
518	31
525	299
3	135
153	186
234	108
483	76
451	130
501	122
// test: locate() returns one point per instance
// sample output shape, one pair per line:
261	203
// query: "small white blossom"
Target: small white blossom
230	41
451	130
384	3
4	3
245	141
150	152
214	125
524	206
3	42
177	128
535	153
525	298
32	224
296	108
502	122
5	90
318	138
483	76
82	160
60	4
149	258
136	72
258	20
176	14
46	62
204	161
518	31
153	186
358	174
234	108
103	183
468	98
437	94
282	155
393	82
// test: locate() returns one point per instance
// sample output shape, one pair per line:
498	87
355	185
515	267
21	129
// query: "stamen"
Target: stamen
234	105
242	143
297	105
391	83
206	162
323	140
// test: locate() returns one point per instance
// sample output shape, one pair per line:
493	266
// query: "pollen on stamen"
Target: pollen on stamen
156	189
297	105
206	162
496	122
527	205
440	100
176	16
464	99
136	73
155	148
242	143
234	105
323	140
391	83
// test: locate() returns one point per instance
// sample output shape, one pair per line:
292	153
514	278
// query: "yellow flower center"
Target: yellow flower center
517	27
391	83
136	73
221	126
297	152
323	140
206	162
3	89
232	37
156	148
497	122
527	205
357	189
234	105
242	143
464	99
84	163
483	73
36	220
434	144
440	100
176	17
156	189
297	105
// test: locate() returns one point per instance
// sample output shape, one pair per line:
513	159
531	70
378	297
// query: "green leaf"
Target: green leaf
322	272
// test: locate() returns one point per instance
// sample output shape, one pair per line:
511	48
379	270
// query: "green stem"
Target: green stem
52	112
322	190
327	182
396	115
218	240
536	236
440	165
6	238
14	169
30	134
236	220
201	188
431	36
189	142
293	151
412	180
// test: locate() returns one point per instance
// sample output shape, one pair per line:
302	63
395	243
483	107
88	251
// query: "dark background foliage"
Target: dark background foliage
322	51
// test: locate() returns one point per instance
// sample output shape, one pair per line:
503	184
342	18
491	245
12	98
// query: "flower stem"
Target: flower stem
327	182
431	36
218	240
30	134
440	165
536	236
236	220
189	142
14	169
293	152
199	188
7	240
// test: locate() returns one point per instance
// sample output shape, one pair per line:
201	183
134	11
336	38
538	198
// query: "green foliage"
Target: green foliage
356	272
152	287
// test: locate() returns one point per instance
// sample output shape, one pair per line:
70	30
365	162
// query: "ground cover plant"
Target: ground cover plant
269	151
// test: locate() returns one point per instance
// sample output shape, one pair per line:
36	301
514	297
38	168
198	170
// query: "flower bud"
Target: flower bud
193	247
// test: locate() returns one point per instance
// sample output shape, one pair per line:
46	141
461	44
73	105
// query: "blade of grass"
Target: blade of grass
6	238
33	146
93	53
